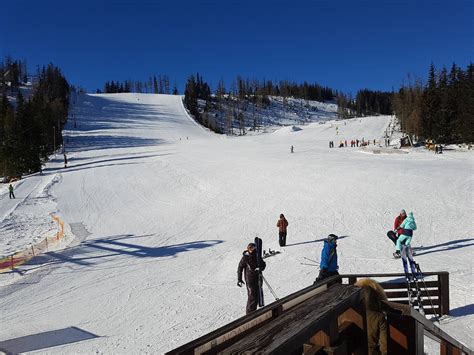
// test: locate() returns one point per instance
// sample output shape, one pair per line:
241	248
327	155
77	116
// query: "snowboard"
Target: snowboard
267	254
392	236
260	262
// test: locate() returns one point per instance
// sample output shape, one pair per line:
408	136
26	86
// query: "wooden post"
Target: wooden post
403	335
419	338
443	279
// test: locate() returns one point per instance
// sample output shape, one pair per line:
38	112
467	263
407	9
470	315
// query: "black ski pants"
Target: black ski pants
12	195
324	274
252	297
282	238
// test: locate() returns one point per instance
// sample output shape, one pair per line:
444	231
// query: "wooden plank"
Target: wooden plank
402	335
351	316
292	329
403	285
444	295
419	339
443	348
403	294
232	328
398	337
424	301
309	349
251	324
439	333
320	338
359	276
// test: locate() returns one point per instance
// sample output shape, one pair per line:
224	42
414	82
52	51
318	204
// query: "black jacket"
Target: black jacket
248	264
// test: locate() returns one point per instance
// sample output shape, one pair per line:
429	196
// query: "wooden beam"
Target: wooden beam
443	279
291	330
320	338
398	337
231	332
352	316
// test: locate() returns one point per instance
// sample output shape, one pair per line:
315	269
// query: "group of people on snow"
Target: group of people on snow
401	235
374	298
248	265
353	143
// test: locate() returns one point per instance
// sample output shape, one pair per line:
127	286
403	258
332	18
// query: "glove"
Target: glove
257	269
240	283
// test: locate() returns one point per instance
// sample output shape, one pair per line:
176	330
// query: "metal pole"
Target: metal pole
54	139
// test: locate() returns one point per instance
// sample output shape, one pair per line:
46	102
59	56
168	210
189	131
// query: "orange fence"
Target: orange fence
21	257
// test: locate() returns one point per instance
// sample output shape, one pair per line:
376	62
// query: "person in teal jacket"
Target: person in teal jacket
408	226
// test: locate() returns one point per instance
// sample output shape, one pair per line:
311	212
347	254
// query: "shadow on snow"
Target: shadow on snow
451	245
85	254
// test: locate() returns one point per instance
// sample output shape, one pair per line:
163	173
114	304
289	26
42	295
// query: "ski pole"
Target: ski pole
270	288
309	264
314	261
426	289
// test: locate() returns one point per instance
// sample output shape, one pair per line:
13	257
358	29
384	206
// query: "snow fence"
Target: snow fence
10	262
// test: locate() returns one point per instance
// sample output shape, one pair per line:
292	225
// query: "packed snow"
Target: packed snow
165	209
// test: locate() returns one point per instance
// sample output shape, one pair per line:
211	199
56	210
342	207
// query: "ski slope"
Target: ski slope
169	207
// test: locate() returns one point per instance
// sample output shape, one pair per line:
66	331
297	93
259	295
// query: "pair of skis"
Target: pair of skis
414	276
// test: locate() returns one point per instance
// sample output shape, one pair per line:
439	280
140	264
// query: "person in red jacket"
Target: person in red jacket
397	231
282	224
398	221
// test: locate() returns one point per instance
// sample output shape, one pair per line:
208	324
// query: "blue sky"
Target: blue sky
347	45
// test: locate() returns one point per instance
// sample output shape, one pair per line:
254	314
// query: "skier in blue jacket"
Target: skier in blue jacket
328	265
408	226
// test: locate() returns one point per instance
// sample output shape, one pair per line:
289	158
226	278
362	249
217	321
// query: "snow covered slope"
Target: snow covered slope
170	207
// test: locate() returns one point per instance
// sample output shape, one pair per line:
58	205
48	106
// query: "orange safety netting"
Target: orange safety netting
21	257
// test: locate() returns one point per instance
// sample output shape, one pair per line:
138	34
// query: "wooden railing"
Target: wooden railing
229	334
434	289
406	335
327	318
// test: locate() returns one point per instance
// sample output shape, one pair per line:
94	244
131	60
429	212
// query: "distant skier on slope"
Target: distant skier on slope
397	231
249	265
10	189
328	265
408	225
282	224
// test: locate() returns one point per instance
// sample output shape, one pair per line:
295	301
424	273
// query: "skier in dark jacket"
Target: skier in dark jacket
248	264
328	265
282	224
10	189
